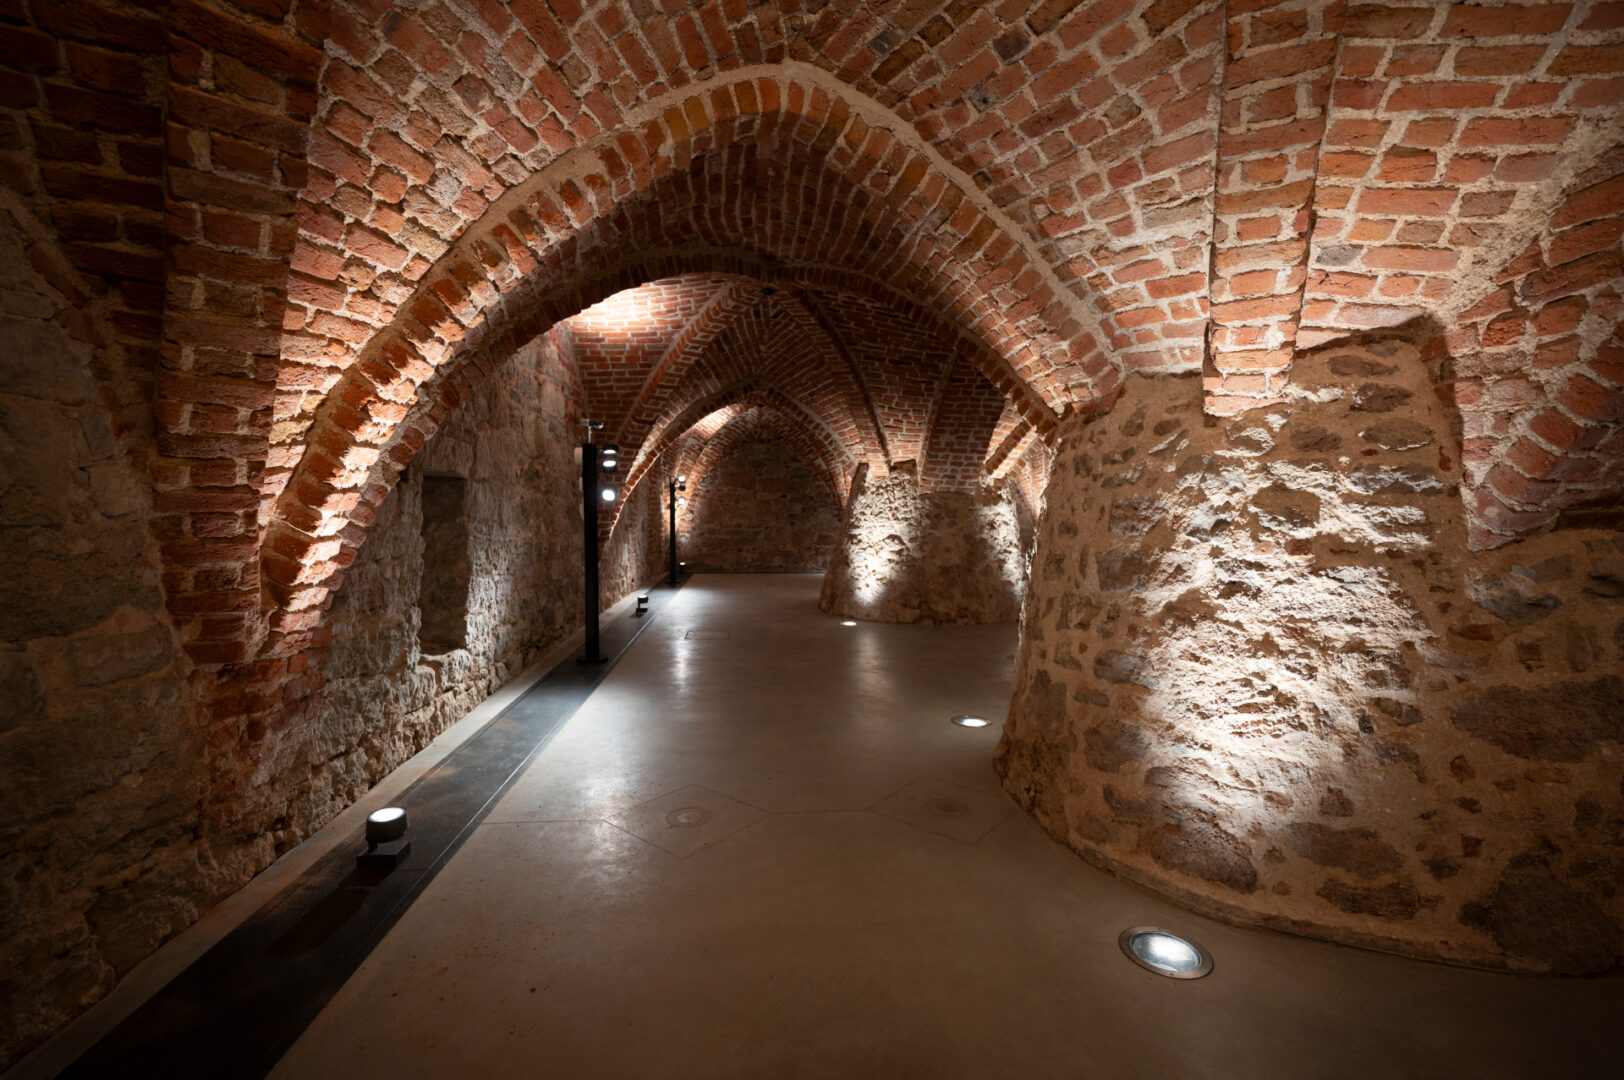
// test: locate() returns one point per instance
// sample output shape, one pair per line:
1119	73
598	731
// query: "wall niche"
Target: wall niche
443	597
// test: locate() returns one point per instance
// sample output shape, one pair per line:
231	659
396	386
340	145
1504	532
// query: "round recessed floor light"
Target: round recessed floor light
1155	949
688	817
971	720
848	622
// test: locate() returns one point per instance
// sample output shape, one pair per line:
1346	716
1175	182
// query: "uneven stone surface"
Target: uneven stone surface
759	510
635	553
100	765
1261	671
939	557
101	731
386	693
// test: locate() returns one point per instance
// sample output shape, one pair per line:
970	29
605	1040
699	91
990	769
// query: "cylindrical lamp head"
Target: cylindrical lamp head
386	825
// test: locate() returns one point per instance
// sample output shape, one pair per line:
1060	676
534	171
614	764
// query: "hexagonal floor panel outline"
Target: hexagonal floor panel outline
947	809
687	821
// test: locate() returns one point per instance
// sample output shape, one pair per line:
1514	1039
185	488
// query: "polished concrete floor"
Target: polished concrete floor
761	850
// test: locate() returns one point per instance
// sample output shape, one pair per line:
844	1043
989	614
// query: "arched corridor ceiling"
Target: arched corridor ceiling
718	434
868	373
323	221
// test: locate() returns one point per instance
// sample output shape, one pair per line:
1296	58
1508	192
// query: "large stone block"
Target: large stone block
1297	636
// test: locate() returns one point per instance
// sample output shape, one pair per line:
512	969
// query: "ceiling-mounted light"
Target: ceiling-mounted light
607	494
971	720
610	464
611	449
1155	949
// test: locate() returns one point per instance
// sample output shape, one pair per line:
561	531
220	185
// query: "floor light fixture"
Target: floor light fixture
387	845
1165	953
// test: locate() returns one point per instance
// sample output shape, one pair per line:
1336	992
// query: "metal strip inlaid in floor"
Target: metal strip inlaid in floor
235	1011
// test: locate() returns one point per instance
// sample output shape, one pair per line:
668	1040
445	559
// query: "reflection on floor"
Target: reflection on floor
769	854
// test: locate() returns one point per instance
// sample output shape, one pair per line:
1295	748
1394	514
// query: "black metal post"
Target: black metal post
589	517
671	486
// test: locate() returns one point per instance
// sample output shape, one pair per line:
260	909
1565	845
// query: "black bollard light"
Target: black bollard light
673	485
592	495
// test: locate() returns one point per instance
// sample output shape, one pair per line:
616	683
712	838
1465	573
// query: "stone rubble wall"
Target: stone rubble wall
759	510
385	698
1261	672
935	557
108	850
634	556
100	767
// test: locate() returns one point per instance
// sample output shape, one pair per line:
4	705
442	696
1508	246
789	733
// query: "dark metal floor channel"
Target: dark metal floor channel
239	1007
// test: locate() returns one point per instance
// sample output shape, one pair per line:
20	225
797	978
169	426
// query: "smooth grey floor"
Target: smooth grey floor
761	850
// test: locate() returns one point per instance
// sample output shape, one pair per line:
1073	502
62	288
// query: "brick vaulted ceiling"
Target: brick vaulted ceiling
871	377
317	223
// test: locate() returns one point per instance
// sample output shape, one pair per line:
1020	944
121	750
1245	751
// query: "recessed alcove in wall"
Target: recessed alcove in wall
443	597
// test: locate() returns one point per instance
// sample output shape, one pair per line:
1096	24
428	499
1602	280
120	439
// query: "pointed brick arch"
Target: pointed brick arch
751	393
543	251
963	419
803	309
697	457
680	355
755	349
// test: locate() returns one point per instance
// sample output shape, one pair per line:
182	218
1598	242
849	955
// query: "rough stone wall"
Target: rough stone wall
100	767
104	777
936	557
759	510
634	554
1262	672
386	697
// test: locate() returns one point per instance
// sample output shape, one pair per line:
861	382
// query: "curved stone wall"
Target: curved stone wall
907	555
1262	672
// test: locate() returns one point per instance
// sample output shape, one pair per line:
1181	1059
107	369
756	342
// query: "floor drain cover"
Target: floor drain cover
947	807
688	817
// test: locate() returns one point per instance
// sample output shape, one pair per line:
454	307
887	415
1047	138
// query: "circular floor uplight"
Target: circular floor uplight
1155	949
386	825
971	720
848	622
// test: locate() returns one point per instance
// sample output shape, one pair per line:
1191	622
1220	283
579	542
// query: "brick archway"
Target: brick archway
833	452
697	454
557	243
